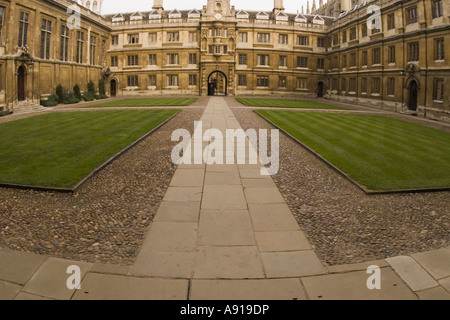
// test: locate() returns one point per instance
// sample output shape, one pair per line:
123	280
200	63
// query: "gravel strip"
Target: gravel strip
342	223
107	219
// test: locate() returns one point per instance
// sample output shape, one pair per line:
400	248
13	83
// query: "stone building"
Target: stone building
41	46
383	53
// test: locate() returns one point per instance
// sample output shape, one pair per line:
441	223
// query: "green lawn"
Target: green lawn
149	102
280	103
59	149
379	152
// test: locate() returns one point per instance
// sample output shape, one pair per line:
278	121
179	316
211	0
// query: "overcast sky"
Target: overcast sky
115	6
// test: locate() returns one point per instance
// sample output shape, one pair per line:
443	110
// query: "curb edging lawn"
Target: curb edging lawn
345	175
93	173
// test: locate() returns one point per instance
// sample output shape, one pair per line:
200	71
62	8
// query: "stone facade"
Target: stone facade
386	54
34	58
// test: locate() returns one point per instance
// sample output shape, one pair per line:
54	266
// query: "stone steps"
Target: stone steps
27	107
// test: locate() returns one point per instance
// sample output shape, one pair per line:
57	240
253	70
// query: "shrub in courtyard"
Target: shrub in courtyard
77	92
61	94
91	88
5	113
51	101
101	87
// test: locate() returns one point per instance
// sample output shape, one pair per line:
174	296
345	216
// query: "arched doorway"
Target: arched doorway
113	88
217	84
320	89
413	96
21	84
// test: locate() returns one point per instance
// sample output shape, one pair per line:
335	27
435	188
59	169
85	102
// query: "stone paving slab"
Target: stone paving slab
356	266
178	212
291	264
109	269
272	217
436	262
24	296
445	283
183	194
188	178
51	279
228	263
112	287
18	267
267	289
164	264
282	241
224	198
253	173
264	195
437	293
222	178
225	228
352	286
171	236
412	273
258	183
8	290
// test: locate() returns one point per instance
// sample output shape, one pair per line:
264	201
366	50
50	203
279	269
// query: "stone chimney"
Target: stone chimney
278	6
158	5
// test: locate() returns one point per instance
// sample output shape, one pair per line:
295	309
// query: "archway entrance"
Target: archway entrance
217	84
21	84
113	88
413	96
320	90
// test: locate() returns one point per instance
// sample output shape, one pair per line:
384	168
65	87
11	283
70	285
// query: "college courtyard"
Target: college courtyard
223	153
143	227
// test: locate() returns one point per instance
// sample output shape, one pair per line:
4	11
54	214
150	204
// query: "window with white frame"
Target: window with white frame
242	80
303	40
153	38
263	37
152	60
114	61
172	58
46	32
23	29
64	45
391	86
283	61
192	79
283	39
243	59
133	60
302	62
243	37
192	58
438	89
114	40
263	60
133	38
302	83
262	81
173	36
172	80
133	81
192	37
152	80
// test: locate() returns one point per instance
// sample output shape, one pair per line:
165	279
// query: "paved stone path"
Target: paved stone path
225	232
